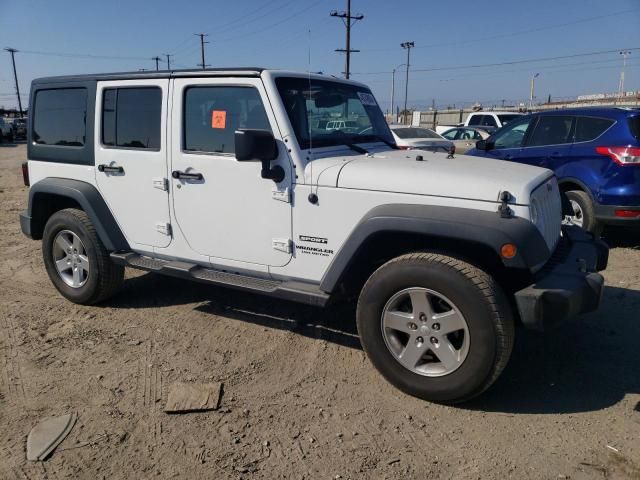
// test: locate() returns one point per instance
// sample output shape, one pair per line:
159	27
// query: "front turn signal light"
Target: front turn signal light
508	250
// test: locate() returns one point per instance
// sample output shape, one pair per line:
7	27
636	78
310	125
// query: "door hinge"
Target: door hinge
161	183
282	244
164	228
281	195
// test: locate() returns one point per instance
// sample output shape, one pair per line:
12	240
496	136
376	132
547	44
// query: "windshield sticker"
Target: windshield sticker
367	99
218	119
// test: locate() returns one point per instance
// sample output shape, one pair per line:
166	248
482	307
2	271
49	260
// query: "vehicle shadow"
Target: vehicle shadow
622	237
335	323
4	144
587	364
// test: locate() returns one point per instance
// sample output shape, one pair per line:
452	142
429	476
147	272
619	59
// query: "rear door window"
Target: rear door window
590	128
60	117
131	117
551	130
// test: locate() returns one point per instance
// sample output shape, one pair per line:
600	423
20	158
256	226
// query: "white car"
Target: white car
413	138
489	121
221	176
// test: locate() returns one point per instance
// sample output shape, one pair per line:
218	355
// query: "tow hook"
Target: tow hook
504	209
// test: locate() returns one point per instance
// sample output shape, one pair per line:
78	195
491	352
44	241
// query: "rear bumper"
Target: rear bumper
607	214
25	223
568	284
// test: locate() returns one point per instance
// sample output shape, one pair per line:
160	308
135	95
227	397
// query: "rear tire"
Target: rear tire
77	261
584	213
466	312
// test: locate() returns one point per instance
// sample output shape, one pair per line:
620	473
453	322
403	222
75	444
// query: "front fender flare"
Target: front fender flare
481	227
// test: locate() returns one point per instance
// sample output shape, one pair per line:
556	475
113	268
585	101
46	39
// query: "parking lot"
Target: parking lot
300	400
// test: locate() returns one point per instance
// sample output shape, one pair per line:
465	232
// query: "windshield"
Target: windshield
325	113
504	119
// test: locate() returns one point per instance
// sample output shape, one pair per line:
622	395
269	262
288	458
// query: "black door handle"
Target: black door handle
177	174
110	168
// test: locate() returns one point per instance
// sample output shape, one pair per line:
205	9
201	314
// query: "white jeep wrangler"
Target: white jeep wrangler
231	177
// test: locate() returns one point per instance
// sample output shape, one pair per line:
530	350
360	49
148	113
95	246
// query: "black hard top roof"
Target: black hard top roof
209	72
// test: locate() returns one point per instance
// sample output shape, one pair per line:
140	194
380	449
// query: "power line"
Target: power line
268	27
13	51
80	55
348	20
513	62
513	34
202	42
247	20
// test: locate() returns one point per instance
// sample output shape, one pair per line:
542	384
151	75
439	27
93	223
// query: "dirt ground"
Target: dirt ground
301	400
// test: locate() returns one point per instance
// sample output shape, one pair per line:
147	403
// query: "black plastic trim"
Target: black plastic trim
89	199
568	285
480	227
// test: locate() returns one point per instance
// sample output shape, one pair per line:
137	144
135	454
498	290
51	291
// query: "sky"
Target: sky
453	42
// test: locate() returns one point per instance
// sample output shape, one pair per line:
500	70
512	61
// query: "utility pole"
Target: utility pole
407	46
393	89
625	54
157	59
348	20
13	51
202	42
168	61
533	86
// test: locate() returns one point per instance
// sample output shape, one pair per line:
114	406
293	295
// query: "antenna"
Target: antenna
313	197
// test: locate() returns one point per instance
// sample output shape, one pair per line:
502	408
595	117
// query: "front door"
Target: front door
223	207
131	157
508	141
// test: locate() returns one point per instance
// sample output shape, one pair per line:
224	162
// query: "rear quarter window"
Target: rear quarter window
590	128
634	126
60	116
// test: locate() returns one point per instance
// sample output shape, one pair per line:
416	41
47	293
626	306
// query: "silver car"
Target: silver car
465	138
419	138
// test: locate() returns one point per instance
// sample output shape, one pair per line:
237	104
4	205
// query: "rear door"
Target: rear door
131	157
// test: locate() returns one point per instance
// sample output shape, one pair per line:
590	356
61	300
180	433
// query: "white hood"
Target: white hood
473	178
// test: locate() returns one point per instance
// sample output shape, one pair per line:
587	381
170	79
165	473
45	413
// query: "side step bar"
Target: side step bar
294	291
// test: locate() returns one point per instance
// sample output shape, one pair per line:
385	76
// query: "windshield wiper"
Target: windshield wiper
356	148
386	142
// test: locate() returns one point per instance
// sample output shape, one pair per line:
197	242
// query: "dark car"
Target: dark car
19	126
594	152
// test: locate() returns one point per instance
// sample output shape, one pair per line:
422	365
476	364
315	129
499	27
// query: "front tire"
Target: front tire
77	261
435	327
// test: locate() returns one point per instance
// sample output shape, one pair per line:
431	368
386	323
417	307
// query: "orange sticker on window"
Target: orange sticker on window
218	119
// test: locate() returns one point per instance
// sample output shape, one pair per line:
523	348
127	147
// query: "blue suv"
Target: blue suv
594	152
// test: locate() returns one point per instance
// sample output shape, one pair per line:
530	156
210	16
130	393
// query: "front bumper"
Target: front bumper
568	284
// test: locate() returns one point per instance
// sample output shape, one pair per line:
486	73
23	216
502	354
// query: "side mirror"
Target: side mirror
259	145
484	145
